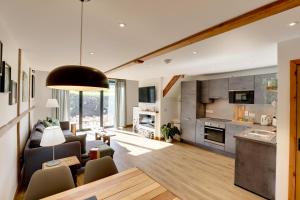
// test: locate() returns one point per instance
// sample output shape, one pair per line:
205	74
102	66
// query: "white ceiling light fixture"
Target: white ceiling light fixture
293	23
92	53
122	25
195	52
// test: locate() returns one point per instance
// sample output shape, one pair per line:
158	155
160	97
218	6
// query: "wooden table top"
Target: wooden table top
129	184
68	161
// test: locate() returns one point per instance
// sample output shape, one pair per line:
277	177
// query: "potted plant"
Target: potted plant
169	132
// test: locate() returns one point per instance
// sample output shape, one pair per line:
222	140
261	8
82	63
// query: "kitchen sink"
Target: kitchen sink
262	134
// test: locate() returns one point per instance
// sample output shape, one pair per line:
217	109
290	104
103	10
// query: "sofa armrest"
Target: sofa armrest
35	157
65	125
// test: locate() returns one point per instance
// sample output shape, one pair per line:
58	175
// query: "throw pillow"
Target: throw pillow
53	121
40	127
80	138
46	123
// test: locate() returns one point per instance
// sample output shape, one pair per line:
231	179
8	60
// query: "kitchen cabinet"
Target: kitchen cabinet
241	83
263	94
230	132
200	131
203	92
218	88
255	167
188	110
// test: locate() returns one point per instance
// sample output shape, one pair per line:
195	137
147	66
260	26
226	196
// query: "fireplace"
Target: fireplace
147	120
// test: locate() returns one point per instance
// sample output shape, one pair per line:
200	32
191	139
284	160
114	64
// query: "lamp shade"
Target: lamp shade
52	103
52	136
75	77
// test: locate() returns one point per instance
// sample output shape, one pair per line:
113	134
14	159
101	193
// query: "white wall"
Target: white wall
288	50
42	95
8	141
132	99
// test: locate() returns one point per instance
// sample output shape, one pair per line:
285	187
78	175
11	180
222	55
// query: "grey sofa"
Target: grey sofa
35	155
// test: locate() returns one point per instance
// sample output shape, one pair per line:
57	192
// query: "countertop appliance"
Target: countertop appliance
265	120
241	97
214	132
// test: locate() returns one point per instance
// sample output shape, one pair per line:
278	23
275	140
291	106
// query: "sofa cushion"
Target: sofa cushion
80	138
35	139
40	127
53	121
46	123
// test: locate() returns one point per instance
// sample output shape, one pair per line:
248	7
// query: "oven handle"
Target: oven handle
218	129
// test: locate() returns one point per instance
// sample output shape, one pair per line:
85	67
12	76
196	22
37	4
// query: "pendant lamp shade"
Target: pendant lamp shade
77	77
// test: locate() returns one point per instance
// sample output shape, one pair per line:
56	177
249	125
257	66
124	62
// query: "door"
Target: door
298	134
218	88
294	156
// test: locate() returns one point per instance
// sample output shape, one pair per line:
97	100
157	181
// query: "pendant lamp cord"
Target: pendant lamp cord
81	32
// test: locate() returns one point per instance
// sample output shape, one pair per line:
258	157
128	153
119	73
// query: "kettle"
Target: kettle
265	120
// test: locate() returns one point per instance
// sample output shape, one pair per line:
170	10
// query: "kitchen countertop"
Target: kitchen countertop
265	137
268	136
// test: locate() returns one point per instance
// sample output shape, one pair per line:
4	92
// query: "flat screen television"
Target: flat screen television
147	94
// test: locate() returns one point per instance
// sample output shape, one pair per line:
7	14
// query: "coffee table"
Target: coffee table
104	136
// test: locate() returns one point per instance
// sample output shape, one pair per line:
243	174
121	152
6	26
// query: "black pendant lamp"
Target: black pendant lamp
77	77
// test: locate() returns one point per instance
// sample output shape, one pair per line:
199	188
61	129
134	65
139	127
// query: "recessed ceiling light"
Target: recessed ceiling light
293	23
92	53
195	52
122	25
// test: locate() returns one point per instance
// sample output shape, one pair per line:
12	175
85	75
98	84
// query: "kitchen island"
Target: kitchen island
255	163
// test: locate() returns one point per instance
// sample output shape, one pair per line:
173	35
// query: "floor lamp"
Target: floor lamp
52	103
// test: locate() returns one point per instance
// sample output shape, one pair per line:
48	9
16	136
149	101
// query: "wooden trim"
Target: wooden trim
18	114
171	84
236	22
14	121
293	129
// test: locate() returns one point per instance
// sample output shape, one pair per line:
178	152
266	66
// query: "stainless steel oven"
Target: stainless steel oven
241	97
214	133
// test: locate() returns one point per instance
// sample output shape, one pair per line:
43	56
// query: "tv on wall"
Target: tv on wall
147	94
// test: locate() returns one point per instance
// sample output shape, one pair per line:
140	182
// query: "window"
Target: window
93	109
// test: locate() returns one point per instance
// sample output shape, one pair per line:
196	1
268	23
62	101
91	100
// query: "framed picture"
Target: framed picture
32	86
13	93
5	77
24	86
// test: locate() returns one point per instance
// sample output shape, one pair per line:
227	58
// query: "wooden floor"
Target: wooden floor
187	171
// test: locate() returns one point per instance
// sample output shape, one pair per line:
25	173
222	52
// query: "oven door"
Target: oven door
241	97
214	135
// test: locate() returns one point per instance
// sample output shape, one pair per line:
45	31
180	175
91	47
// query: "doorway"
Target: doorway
294	163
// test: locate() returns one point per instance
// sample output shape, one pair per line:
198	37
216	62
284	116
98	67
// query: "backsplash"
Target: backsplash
223	110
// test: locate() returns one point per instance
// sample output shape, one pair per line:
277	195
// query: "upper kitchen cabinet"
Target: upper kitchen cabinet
265	89
218	88
188	110
203	92
241	83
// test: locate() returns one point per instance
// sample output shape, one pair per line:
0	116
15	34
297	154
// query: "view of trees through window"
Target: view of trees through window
90	103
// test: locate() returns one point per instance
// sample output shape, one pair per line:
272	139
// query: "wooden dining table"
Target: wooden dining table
130	184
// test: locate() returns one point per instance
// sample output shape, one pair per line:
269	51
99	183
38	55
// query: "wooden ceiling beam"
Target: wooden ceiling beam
171	84
239	21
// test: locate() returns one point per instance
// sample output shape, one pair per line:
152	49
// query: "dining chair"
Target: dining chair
99	168
46	182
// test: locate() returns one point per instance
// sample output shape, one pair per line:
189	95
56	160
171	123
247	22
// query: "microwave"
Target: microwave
241	97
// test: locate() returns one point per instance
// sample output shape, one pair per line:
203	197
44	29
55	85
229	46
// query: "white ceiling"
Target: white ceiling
48	32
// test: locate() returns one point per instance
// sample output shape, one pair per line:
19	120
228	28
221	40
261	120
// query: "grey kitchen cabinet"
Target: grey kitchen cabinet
203	92
200	131
218	88
241	83
188	110
230	132
262	94
255	167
